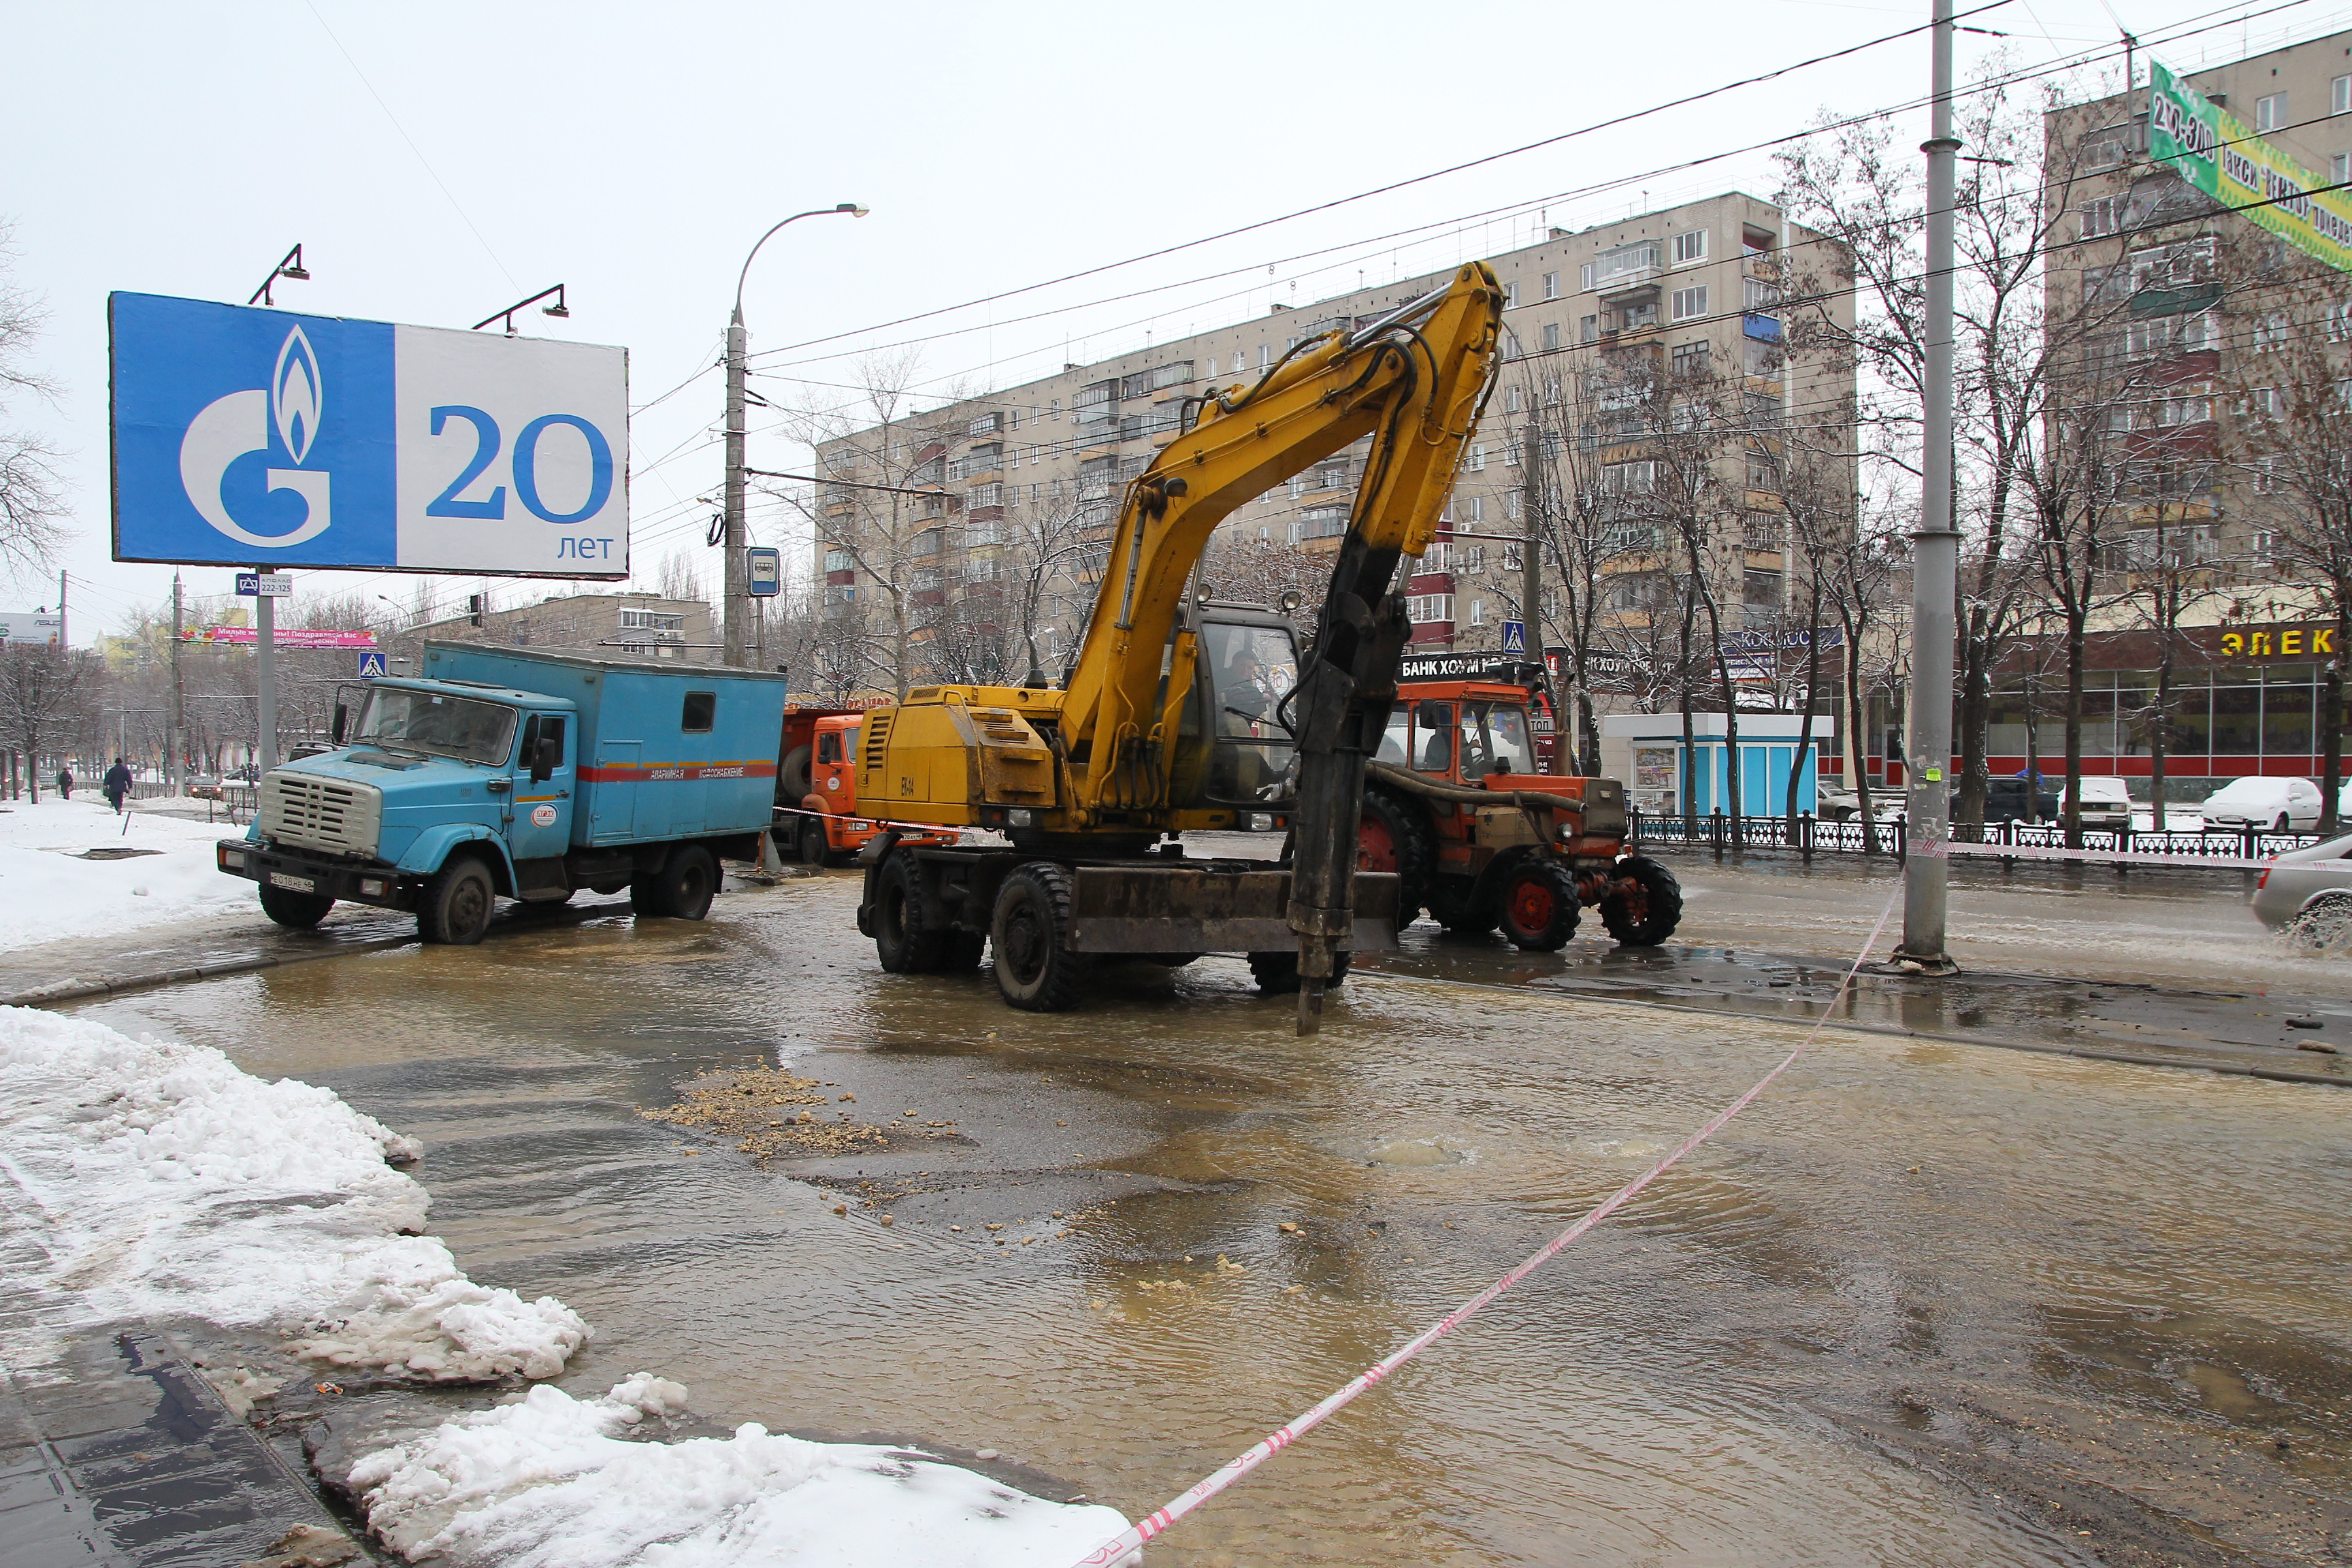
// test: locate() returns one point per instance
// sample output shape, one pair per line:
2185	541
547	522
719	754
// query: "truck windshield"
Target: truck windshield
1494	740
1250	670
435	724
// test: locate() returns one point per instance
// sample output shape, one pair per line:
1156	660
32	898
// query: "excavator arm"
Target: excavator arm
1415	381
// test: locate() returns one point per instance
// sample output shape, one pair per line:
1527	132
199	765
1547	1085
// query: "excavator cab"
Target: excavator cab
1234	747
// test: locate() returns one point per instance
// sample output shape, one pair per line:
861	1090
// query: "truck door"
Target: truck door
541	829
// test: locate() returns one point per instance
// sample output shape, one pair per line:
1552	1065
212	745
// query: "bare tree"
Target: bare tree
47	699
32	491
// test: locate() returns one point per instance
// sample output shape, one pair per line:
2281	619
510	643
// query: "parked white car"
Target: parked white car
2272	805
2107	803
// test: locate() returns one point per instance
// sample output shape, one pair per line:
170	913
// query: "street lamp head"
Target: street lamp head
852	209
558	309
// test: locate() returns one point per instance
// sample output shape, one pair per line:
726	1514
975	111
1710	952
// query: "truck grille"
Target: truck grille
314	813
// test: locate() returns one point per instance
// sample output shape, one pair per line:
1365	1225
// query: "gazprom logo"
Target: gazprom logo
291	408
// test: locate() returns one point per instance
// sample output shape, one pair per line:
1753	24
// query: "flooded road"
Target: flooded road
1922	1304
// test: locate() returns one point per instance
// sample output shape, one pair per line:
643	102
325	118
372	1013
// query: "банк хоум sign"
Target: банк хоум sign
258	438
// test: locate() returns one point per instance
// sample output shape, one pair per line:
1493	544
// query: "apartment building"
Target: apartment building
2188	314
599	625
1034	472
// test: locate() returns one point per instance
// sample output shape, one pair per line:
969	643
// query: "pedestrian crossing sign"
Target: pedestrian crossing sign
371	663
1514	637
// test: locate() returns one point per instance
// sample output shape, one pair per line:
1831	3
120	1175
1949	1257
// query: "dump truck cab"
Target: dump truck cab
827	829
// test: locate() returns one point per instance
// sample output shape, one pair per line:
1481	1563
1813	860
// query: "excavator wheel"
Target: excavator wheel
1394	837
1277	974
1648	915
1035	969
900	942
1539	906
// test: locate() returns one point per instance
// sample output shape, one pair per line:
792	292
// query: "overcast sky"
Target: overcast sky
439	161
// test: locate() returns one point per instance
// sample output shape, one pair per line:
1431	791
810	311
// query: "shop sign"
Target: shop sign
2282	642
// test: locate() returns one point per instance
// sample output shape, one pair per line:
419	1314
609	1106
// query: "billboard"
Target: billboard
2215	153
263	439
31	626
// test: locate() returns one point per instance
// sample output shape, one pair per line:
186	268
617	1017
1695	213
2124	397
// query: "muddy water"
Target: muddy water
1921	1305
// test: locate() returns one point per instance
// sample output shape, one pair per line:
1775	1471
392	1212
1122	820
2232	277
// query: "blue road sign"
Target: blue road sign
763	571
371	663
1514	637
247	437
248	585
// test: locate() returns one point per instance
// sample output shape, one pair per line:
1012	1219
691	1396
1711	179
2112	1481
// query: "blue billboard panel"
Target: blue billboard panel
260	438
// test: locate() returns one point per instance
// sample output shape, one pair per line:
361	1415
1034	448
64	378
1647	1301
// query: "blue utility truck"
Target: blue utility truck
511	772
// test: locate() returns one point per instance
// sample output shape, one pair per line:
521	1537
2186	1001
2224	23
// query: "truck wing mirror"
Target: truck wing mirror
342	717
545	760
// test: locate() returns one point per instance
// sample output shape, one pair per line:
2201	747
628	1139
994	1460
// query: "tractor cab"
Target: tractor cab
1461	732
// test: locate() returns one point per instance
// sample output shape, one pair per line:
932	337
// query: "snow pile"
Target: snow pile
39	870
159	1179
551	1481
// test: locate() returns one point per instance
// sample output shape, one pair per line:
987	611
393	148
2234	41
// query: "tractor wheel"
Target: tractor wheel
1539	906
1647	916
1035	969
1277	974
458	903
1394	837
901	941
295	911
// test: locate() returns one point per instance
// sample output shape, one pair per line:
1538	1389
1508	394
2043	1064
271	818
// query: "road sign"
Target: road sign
763	571
371	663
1514	637
264	585
245	436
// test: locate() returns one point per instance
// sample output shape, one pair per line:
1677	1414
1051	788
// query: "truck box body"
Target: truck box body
664	752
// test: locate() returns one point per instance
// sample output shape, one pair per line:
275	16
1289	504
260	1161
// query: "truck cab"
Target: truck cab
503	773
830	829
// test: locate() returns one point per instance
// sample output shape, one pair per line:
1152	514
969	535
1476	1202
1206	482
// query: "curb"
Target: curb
79	989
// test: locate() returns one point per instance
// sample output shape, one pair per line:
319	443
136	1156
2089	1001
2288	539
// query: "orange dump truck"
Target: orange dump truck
816	789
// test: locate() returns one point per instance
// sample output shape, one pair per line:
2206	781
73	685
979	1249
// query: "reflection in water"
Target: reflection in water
1873	1321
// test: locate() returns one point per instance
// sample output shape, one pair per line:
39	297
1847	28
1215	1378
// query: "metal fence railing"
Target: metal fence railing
2221	848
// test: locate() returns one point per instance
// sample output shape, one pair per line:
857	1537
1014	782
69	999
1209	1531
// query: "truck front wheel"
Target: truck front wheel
901	941
1035	969
295	912
458	903
683	887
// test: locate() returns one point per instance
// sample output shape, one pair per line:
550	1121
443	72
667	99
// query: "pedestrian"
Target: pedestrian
65	783
118	784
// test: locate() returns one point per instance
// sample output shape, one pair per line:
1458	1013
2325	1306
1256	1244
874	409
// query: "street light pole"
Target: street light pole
733	588
1935	555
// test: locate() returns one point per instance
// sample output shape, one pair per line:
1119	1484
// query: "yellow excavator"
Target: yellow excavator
1181	712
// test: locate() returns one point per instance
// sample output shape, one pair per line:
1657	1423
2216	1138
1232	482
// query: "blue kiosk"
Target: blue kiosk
1645	750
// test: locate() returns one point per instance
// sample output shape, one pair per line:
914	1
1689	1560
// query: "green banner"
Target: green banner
2215	152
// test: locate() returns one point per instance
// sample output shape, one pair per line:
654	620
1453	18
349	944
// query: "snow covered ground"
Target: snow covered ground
149	1178
50	895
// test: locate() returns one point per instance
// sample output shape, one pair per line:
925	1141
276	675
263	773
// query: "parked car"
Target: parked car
2271	806
2106	803
2308	893
2010	800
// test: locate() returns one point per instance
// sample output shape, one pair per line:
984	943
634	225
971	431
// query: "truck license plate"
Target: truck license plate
297	884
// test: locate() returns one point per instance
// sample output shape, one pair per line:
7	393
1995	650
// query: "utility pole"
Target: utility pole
732	572
1935	555
264	675
173	766
1531	585
65	634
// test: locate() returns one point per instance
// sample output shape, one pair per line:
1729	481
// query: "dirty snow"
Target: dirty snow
551	1481
151	1178
52	896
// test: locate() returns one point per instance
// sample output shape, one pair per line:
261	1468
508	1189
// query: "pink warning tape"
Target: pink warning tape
1129	1541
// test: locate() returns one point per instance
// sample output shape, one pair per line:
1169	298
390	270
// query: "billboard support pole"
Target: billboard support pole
265	677
175	767
1935	555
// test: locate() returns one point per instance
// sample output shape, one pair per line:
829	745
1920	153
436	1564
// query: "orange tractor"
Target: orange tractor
1454	806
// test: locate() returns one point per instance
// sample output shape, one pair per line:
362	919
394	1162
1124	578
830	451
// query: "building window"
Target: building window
1510	296
2339	96
1514	506
1426	608
1690	246
1551	280
1690	302
2264	401
1584	280
835	561
2339	168
1478	463
1473	560
1628	478
1762	293
1478	508
1512	401
1691	358
652	620
1633	318
2270	112
1512	452
986	425
1551	335
1477	612
1588	329
1321	522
